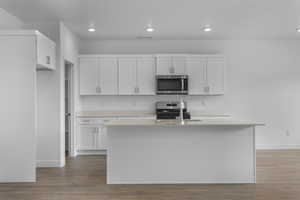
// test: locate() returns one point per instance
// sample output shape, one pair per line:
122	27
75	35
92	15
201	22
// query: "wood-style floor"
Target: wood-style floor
278	177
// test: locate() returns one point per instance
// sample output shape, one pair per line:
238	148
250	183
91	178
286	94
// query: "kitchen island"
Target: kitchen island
168	152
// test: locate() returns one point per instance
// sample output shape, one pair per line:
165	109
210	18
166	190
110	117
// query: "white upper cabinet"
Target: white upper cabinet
108	76
146	76
98	76
44	47
196	68
206	75
164	66
127	76
45	52
137	76
215	75
88	72
171	65
179	64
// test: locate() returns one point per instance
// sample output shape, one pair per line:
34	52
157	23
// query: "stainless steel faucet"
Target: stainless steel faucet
181	118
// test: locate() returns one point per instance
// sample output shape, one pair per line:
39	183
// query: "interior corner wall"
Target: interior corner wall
69	52
9	21
262	83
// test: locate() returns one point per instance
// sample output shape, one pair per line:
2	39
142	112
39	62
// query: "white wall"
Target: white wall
18	104
262	83
18	108
9	21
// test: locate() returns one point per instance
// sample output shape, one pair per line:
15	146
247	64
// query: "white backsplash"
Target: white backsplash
213	105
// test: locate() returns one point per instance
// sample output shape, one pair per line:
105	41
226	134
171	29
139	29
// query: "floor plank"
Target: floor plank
83	178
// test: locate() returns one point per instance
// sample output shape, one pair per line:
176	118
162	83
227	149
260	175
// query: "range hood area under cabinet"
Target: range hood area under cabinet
135	74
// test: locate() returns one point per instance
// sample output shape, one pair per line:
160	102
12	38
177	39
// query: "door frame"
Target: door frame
71	137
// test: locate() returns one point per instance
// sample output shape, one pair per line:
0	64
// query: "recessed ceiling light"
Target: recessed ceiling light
92	29
298	30
207	29
150	29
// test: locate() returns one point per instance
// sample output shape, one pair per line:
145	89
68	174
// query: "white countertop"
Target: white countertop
205	122
103	114
140	114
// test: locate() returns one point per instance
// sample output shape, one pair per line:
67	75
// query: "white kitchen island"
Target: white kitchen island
208	151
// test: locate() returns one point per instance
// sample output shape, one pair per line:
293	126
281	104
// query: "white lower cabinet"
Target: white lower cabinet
87	138
91	136
102	138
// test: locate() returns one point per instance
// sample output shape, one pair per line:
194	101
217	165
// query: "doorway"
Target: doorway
69	102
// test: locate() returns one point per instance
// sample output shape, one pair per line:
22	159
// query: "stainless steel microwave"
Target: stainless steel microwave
172	84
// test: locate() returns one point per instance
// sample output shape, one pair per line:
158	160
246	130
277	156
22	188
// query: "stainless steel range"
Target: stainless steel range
171	110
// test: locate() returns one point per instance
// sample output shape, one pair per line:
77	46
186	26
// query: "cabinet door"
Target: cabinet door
45	53
88	71
87	138
146	76
171	65
127	76
196	69
102	137
215	75
164	66
108	76
179	65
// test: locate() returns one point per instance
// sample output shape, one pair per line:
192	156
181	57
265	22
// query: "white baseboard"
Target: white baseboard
17	180
48	163
203	180
274	147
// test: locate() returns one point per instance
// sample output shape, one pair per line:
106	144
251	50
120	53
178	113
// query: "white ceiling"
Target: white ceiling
172	19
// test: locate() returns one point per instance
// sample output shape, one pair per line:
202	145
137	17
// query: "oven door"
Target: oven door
172	85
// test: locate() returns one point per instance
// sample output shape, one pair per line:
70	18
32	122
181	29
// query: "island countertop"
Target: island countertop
204	122
144	115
